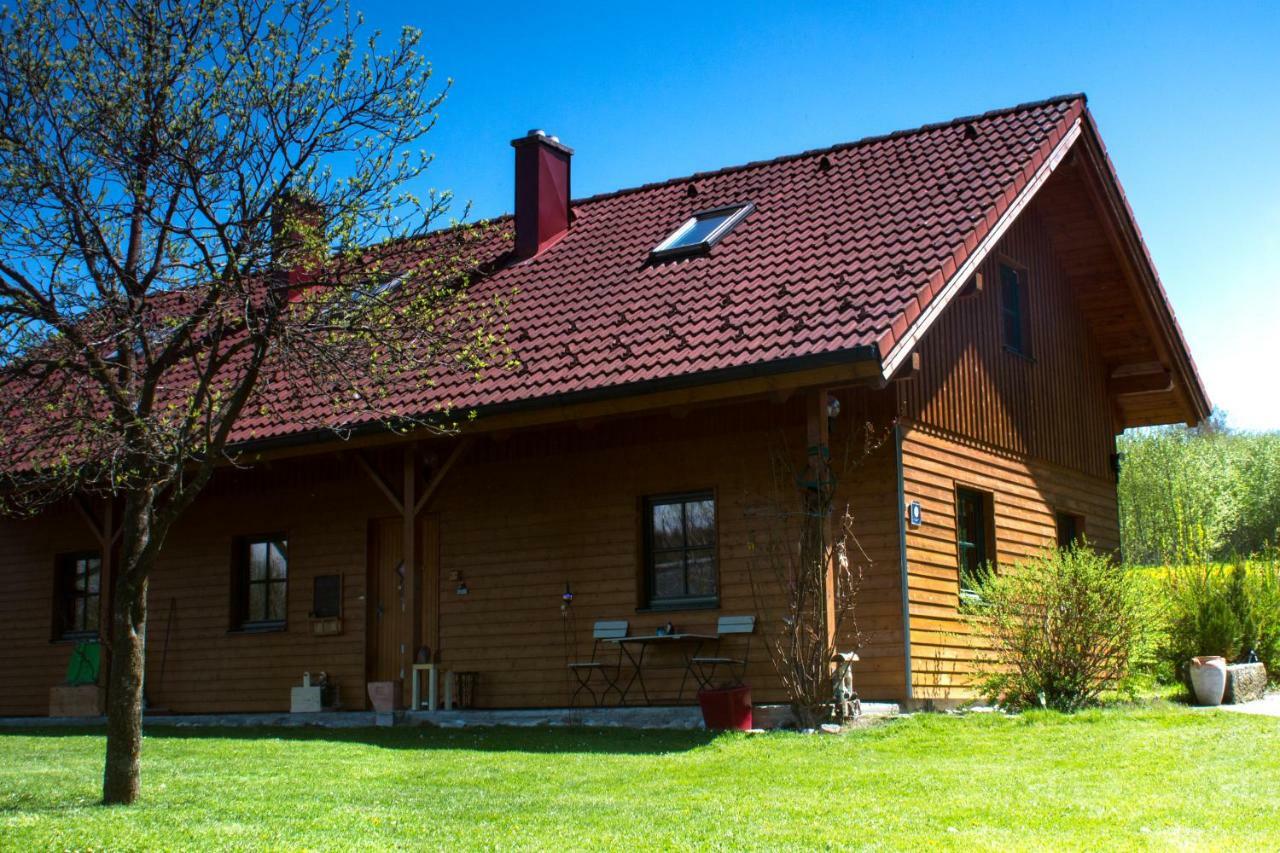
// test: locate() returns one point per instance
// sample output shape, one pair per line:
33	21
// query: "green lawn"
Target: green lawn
1157	777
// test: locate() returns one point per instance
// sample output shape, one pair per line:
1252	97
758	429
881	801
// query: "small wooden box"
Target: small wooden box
81	700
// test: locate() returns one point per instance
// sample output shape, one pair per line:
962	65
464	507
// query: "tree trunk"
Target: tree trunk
121	777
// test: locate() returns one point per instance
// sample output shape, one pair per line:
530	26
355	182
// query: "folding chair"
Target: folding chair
704	668
610	670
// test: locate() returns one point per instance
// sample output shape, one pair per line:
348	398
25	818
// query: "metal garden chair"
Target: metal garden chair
609	666
735	660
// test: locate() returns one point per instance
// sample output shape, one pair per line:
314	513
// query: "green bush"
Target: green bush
1222	610
1065	627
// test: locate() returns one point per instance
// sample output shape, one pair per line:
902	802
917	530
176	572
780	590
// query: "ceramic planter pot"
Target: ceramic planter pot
1209	679
385	695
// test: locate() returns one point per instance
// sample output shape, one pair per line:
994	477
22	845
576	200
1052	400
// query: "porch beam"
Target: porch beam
380	483
437	478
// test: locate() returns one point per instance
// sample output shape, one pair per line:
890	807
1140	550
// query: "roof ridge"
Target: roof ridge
839	146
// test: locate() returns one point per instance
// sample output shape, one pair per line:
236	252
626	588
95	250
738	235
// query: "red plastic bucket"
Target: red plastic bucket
726	708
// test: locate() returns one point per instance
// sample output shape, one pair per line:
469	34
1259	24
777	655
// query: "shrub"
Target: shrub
1222	610
1065	627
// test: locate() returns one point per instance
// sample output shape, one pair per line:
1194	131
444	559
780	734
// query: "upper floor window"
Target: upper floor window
1070	529
680	550
77	595
1014	311
975	536
260	582
702	230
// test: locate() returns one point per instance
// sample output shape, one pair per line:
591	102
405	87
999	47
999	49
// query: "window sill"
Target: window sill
677	606
260	628
1020	354
80	637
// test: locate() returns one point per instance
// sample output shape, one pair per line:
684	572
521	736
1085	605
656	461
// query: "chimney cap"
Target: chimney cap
538	136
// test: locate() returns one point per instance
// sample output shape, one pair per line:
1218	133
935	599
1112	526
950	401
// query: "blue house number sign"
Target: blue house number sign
913	513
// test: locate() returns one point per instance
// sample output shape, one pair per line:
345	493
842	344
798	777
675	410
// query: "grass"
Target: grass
1149	777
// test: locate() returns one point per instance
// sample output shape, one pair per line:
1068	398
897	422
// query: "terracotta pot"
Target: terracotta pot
384	696
1209	678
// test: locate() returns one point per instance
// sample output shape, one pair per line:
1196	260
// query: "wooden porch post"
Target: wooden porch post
818	443
409	513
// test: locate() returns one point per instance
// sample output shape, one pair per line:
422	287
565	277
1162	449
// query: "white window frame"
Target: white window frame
667	248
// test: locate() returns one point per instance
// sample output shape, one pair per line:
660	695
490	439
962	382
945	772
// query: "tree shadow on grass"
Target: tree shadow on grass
531	739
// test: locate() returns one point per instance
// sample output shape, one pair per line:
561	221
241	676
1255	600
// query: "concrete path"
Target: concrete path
1267	706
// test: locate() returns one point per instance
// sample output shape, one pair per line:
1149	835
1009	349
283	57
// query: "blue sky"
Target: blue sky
1187	96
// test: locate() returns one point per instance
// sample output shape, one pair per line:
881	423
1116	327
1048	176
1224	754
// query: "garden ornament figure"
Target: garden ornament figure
845	704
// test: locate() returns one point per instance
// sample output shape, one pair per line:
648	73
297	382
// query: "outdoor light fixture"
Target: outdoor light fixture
833	406
567	598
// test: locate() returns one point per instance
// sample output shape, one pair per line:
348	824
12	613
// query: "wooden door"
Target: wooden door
389	657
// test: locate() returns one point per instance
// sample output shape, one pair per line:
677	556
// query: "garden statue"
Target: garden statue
845	704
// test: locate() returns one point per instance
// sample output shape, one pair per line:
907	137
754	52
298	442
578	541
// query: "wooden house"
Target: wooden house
976	291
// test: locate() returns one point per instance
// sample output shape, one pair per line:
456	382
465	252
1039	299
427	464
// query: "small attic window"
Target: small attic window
702	230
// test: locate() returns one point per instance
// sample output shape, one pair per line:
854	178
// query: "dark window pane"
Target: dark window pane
257	602
257	561
279	565
668	575
702	573
668	526
277	603
77	616
91	613
701	522
95	576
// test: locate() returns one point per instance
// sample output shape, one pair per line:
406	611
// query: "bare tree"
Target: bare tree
205	217
801	537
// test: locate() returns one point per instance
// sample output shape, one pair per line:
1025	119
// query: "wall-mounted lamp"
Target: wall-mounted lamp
567	598
833	406
461	588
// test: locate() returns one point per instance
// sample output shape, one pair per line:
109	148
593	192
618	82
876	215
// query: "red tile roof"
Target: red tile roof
846	248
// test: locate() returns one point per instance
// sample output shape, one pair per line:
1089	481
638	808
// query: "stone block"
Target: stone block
1246	682
79	700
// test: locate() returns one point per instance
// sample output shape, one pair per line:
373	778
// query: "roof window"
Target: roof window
702	230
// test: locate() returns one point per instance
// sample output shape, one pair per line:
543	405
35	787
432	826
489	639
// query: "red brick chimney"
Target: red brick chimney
542	192
297	242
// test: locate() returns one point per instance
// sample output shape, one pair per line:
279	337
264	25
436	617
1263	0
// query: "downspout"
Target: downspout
902	558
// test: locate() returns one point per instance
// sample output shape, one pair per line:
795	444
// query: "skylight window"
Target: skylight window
702	230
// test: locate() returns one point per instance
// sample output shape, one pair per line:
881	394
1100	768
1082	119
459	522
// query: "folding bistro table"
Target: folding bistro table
634	649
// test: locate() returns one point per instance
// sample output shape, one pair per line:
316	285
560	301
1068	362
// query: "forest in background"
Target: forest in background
1191	494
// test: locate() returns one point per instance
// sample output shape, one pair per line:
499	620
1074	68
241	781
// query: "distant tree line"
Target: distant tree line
1187	494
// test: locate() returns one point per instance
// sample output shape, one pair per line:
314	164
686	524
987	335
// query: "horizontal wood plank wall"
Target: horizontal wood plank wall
1026	494
527	516
30	662
518	518
1052	407
322	506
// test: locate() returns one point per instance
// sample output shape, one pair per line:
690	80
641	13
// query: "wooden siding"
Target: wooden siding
517	518
1053	406
1026	494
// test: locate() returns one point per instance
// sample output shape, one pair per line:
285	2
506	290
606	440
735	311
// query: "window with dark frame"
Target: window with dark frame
78	596
680	550
1014	310
1070	529
975	536
261	582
